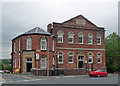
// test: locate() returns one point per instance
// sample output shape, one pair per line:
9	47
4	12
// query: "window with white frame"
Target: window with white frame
98	40
71	57
19	44
90	39
99	57
15	62
43	62
53	60
70	37
60	36
29	40
19	62
90	57
60	58
80	38
14	46
43	43
53	46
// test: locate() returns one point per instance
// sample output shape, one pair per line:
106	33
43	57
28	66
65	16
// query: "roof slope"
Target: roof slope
73	21
37	30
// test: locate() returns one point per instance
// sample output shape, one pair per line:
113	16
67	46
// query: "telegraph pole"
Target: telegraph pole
48	58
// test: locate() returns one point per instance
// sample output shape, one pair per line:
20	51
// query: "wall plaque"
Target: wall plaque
80	21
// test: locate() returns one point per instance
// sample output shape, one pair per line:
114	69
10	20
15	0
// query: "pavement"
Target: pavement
72	79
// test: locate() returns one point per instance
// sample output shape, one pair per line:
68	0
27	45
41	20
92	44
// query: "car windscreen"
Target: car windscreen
94	70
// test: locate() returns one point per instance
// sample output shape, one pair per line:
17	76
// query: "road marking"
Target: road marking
57	77
19	81
3	80
69	76
98	78
26	80
23	76
10	81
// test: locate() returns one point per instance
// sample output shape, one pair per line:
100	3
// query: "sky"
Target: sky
20	16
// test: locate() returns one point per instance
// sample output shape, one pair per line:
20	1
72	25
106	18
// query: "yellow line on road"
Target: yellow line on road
23	76
3	80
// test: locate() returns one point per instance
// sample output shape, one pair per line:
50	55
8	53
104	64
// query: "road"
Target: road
78	79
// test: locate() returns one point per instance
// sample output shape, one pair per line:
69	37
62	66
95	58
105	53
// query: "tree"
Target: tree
112	52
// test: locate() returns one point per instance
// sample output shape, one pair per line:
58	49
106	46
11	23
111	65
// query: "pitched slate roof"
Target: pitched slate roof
36	30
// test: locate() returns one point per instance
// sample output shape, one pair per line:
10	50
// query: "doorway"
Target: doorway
80	61
28	64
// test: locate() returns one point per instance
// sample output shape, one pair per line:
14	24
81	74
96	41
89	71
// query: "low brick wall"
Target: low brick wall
74	72
43	72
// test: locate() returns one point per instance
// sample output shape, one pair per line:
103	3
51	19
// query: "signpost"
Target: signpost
57	63
37	59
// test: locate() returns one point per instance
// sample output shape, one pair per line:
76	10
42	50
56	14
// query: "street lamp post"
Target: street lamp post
48	57
57	63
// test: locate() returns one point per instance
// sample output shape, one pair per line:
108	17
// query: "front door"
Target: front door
80	61
80	64
29	66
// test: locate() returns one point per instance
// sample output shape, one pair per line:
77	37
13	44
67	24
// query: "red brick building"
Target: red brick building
73	47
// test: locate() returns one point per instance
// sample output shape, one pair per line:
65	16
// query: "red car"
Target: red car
98	73
6	71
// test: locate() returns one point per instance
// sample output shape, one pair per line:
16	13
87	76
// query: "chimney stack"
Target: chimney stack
49	27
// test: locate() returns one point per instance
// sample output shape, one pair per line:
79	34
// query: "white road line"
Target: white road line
98	78
69	76
10	81
57	77
26	80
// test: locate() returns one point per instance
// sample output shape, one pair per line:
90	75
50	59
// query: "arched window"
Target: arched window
43	43
43	62
90	38
60	57
71	56
70	37
29	40
98	40
19	62
60	36
90	57
15	62
81	38
53	45
53	60
99	57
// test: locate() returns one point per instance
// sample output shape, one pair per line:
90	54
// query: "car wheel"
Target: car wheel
90	75
106	75
98	75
